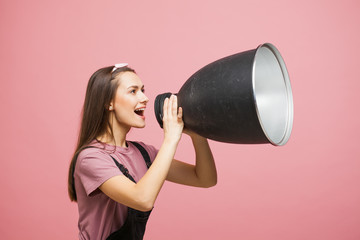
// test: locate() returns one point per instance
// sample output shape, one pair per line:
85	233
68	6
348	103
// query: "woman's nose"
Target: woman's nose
144	98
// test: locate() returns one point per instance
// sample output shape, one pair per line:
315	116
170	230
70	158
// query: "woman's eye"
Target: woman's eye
132	91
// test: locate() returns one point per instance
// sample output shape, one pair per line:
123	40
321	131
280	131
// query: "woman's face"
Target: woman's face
130	101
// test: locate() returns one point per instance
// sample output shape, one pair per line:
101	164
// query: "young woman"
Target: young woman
115	181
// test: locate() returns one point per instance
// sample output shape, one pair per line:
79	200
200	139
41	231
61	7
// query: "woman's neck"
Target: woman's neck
118	139
116	134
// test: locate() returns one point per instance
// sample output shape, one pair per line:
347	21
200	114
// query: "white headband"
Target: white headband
119	65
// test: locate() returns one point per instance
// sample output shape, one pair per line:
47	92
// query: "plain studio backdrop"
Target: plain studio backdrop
308	189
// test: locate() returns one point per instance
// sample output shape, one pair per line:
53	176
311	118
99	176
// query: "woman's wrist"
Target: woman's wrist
171	141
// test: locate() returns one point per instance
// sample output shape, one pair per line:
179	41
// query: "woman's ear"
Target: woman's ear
109	106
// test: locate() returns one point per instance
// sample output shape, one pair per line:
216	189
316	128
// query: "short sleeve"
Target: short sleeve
94	167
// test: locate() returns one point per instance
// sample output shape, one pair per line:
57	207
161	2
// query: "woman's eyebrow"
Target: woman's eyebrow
136	86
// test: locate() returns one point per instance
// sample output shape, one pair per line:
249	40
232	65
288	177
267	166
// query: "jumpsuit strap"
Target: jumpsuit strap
143	152
145	155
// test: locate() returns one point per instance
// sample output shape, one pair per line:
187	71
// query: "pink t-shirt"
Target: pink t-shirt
99	215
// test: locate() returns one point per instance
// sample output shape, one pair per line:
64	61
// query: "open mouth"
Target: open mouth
140	111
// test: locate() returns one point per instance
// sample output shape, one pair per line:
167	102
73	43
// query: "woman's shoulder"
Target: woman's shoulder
94	149
91	150
93	158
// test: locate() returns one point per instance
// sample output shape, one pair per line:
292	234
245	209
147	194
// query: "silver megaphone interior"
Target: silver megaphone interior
273	95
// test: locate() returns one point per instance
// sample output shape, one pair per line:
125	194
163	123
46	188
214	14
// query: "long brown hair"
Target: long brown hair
100	92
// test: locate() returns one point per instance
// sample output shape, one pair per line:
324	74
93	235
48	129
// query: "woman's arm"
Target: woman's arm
142	195
203	173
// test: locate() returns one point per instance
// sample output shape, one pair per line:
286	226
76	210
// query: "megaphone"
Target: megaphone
245	98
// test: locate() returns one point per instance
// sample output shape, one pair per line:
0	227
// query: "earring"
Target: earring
110	108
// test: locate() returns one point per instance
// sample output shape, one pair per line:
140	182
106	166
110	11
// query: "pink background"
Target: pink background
308	189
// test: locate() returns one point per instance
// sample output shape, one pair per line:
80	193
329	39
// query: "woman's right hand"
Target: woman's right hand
172	120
